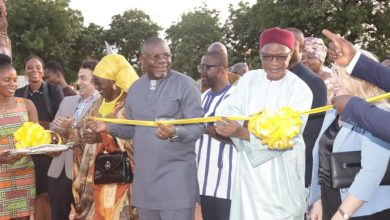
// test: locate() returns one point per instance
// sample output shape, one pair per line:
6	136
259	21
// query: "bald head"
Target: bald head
219	57
240	68
297	33
217	46
386	61
152	41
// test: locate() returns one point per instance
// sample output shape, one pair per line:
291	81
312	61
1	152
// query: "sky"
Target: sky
163	12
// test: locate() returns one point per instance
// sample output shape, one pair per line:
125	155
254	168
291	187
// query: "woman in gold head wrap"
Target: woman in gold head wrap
112	77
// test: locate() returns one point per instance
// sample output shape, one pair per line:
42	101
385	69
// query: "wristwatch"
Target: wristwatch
174	138
345	215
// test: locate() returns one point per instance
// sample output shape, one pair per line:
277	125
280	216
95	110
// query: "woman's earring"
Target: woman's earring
114	87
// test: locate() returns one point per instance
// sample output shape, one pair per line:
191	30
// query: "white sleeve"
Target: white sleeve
353	62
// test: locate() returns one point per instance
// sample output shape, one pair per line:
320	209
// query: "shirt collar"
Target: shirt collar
39	91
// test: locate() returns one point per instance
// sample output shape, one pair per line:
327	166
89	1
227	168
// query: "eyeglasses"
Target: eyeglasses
268	58
157	57
202	67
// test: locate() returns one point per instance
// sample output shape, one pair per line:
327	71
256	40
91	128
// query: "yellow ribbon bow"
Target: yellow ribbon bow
32	134
276	130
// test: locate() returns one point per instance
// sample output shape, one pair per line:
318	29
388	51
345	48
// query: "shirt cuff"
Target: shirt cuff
353	62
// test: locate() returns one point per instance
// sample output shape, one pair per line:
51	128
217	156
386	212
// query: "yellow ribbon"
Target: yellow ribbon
171	122
329	107
32	134
277	130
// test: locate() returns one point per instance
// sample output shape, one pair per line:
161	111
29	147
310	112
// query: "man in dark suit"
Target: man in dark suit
319	90
355	110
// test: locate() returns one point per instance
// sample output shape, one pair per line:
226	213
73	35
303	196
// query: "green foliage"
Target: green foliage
190	37
364	22
89	44
128	31
52	30
47	28
241	35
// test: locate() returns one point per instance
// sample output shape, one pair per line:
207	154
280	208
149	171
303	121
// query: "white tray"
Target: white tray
42	149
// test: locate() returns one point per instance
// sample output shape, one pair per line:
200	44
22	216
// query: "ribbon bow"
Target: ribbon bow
32	134
276	130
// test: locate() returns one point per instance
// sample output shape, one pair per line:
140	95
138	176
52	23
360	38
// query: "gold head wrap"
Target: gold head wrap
115	67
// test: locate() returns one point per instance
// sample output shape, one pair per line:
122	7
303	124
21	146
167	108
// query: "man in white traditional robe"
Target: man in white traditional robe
269	184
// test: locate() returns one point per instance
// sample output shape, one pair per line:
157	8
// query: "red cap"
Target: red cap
277	35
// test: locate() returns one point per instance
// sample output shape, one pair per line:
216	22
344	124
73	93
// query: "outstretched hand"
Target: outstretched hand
340	50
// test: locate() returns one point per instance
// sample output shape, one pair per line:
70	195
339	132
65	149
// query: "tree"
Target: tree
190	37
241	34
361	21
89	44
48	28
128	31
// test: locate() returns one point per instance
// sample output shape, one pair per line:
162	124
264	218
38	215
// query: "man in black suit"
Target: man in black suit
319	90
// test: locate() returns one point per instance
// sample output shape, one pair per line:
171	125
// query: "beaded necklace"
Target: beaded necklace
106	107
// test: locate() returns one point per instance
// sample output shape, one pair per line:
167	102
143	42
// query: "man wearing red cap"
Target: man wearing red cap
269	184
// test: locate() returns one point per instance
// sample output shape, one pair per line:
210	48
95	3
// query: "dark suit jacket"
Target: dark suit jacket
364	114
373	72
314	122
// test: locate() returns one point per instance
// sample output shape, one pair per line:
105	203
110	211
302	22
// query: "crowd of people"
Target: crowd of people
222	166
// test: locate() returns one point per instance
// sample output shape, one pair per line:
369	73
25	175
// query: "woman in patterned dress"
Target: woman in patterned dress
17	178
112	77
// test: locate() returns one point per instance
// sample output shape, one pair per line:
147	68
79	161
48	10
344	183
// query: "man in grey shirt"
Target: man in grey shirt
165	179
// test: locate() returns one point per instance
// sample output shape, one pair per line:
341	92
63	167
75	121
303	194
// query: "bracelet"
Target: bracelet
345	215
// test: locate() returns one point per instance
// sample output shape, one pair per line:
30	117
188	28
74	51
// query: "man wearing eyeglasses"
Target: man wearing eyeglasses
165	183
269	184
233	77
216	158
